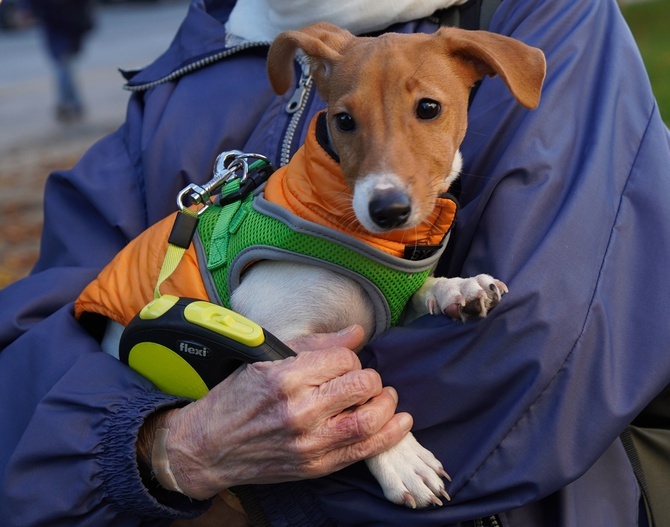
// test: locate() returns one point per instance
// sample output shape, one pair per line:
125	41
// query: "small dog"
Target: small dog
397	114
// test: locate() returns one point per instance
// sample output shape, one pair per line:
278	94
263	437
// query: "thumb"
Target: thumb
350	337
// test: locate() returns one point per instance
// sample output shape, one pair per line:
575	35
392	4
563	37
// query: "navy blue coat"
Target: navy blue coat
568	204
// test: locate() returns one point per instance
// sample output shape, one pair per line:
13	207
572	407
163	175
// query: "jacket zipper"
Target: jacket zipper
197	65
489	521
296	107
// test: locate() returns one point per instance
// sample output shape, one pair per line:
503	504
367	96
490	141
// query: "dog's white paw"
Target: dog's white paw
461	297
410	475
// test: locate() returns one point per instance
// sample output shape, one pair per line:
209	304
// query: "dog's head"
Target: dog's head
397	107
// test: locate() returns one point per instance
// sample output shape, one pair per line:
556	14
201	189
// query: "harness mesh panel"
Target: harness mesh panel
257	229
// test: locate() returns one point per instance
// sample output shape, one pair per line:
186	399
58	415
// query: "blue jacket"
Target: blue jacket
568	204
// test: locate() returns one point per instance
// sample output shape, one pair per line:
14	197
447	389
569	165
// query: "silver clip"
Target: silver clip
228	166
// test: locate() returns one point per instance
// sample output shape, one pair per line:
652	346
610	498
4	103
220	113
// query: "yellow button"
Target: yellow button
225	322
235	325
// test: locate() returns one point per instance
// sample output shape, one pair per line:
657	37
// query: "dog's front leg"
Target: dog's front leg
409	474
458	297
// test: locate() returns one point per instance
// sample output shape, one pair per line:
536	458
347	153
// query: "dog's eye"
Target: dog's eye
427	109
345	122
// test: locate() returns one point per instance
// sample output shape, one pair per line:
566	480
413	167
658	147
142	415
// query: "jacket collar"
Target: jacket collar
202	39
200	35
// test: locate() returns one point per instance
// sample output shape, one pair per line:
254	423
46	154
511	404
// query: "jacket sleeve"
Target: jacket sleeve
63	403
568	205
72	459
70	412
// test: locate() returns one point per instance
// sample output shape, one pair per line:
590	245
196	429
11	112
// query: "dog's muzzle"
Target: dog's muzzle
390	209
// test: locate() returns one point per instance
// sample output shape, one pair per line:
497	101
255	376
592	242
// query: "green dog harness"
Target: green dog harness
232	237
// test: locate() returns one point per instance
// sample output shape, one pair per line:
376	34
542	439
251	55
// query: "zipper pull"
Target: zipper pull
298	96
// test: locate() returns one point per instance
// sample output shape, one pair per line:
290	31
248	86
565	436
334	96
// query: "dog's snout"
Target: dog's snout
390	209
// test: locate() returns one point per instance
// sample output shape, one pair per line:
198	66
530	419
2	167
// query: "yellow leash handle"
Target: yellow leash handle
180	239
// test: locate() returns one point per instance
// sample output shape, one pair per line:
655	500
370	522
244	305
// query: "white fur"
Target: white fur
292	299
365	191
409	474
111	338
456	167
368	186
273	294
451	295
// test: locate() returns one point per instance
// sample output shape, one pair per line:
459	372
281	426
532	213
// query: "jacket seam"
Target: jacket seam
196	65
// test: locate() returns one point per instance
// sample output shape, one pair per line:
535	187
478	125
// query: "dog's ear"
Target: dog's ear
321	42
522	67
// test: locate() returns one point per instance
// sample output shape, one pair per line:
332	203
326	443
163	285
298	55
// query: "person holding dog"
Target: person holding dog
524	408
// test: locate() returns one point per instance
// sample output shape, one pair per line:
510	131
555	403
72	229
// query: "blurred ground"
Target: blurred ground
32	143
23	172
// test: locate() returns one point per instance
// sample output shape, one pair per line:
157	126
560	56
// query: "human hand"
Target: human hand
299	418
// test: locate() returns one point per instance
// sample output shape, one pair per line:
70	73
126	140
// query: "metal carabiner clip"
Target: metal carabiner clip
229	165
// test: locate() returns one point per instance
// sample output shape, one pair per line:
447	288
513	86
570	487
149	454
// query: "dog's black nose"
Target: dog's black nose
390	209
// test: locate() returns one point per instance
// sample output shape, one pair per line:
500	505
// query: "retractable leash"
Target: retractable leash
187	346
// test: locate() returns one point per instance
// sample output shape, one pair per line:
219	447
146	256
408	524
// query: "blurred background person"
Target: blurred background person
64	24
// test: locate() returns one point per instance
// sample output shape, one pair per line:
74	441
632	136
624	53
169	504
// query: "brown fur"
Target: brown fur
379	81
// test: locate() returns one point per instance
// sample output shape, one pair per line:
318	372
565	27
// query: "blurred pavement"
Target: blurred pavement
33	143
128	35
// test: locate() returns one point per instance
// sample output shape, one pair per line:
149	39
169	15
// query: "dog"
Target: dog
396	116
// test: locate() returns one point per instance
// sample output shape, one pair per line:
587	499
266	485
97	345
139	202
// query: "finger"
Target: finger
353	425
319	367
350	337
351	389
366	420
389	435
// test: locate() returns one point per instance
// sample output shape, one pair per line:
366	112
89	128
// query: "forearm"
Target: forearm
73	428
277	421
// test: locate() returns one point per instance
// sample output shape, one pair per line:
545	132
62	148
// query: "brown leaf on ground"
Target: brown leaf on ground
23	174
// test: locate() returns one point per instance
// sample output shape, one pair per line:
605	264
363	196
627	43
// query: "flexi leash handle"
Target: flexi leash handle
185	346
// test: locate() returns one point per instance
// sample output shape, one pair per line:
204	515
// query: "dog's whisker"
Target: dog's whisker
337	194
341	200
355	226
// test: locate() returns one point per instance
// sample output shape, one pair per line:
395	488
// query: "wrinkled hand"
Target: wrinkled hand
299	418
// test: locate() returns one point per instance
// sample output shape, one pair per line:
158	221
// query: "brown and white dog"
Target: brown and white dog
397	114
396	117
